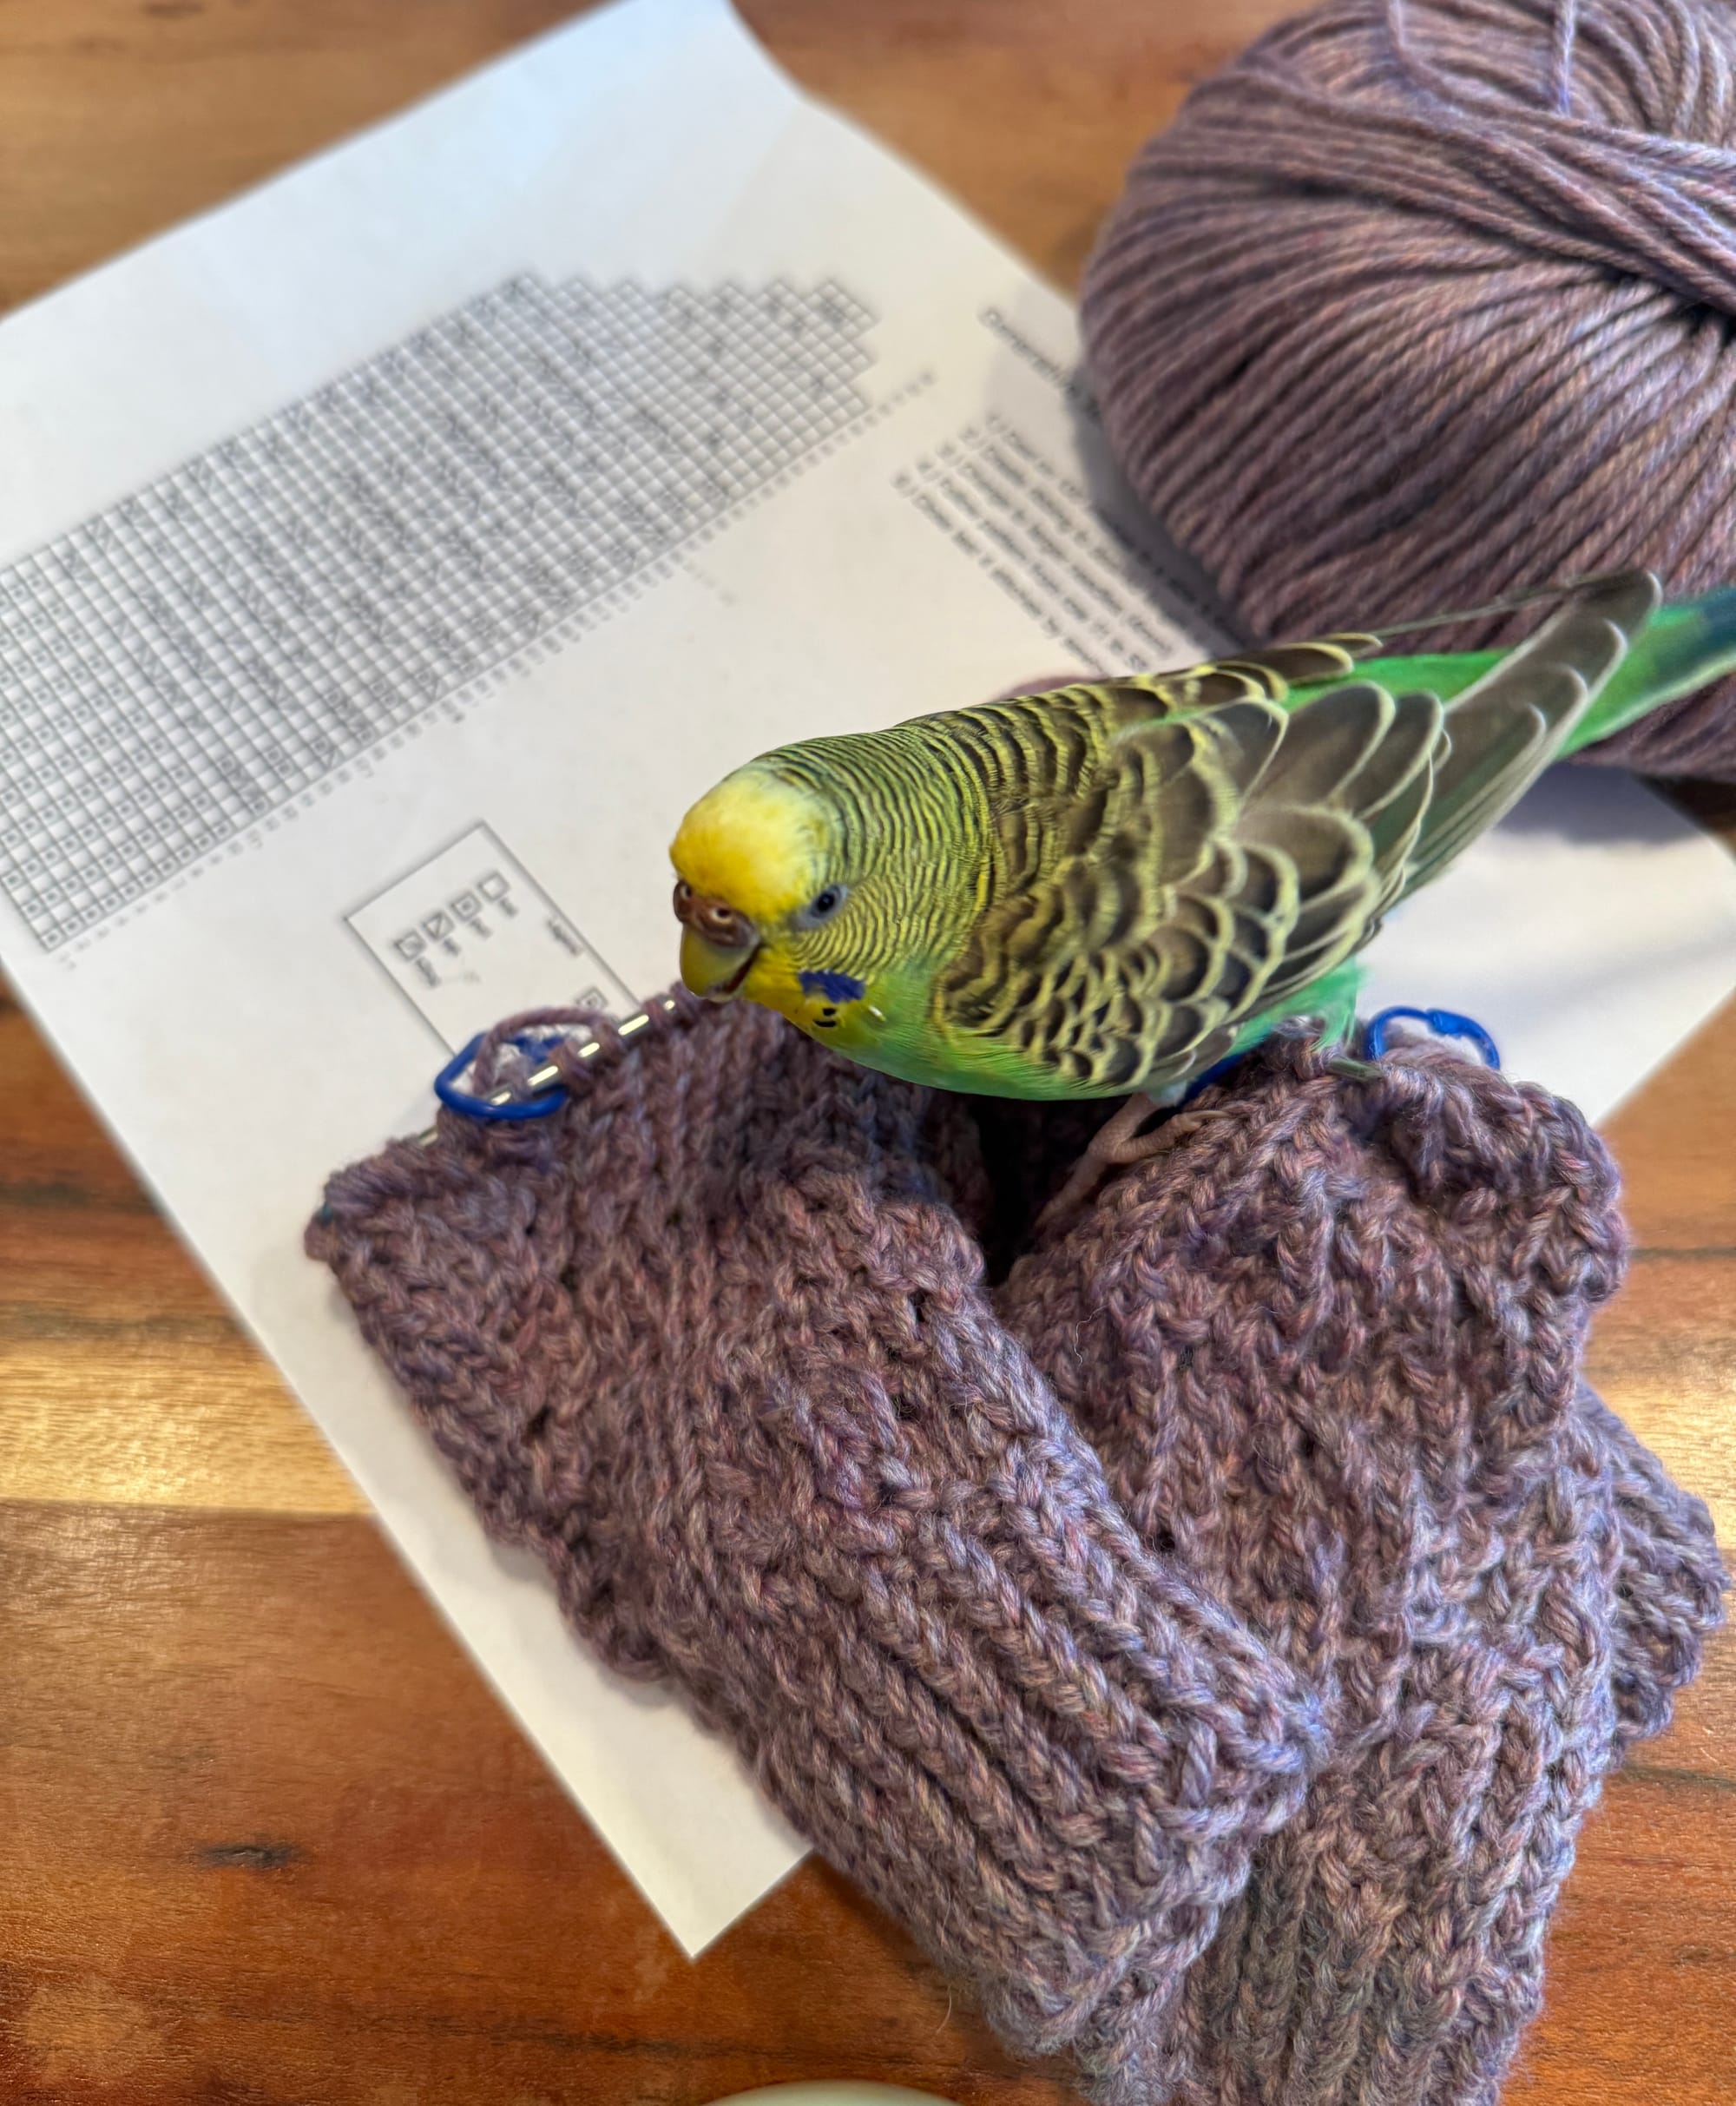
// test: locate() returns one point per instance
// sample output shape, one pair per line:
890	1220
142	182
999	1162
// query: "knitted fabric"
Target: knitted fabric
1207	1641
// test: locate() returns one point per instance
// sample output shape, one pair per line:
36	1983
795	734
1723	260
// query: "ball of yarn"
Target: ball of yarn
1418	303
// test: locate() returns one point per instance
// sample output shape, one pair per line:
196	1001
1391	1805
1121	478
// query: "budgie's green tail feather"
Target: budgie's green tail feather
1681	648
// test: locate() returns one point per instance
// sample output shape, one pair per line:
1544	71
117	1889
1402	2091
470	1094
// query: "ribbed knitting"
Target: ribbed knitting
1208	1640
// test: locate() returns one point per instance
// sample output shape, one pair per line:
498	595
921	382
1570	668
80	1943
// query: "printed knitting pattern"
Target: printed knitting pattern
1208	1640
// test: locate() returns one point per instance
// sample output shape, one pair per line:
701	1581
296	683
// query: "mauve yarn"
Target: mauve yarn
1208	1640
1420	302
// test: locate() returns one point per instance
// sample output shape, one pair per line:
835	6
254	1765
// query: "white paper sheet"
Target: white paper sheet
387	560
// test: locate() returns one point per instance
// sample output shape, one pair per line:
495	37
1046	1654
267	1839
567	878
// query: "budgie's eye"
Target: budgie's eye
824	905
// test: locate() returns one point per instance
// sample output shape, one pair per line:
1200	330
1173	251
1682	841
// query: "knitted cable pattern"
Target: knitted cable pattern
1207	1641
1331	1359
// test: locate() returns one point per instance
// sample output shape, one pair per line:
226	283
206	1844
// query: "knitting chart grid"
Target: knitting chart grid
222	643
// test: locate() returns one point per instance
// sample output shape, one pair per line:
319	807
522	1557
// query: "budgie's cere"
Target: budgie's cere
1109	887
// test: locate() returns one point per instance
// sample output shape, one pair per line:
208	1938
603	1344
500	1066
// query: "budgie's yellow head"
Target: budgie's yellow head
764	901
829	880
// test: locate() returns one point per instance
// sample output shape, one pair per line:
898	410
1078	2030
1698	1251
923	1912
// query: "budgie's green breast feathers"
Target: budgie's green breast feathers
1109	887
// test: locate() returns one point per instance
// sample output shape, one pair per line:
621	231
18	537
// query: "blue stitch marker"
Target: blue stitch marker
447	1088
1443	1022
1375	1036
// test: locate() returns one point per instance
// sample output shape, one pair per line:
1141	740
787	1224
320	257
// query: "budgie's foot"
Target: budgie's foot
1126	1138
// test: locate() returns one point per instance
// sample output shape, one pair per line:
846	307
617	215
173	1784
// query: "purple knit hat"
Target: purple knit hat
1207	1641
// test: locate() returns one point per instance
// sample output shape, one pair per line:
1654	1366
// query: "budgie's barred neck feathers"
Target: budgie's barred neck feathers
1095	890
771	835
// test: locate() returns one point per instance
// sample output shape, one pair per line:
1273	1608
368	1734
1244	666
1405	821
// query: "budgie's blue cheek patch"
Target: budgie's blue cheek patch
834	987
829	992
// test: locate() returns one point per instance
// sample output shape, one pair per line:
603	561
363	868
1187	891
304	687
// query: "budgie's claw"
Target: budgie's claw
1124	1138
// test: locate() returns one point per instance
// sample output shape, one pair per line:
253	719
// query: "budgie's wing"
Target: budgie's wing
1225	852
1218	857
1504	731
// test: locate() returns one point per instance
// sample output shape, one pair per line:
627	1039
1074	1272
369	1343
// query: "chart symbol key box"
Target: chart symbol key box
469	936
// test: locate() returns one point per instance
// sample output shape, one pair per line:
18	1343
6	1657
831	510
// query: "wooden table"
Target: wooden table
266	1838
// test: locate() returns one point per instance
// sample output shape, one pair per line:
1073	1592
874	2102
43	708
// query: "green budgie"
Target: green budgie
1107	889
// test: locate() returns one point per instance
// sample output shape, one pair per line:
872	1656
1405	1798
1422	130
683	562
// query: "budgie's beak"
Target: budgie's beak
718	943
715	974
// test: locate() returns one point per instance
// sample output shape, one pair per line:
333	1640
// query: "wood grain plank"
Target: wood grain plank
273	1840
1664	1356
1676	1141
1664	1352
198	1419
124	116
1027	111
118	118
